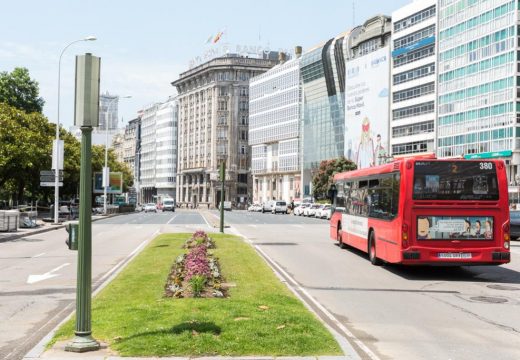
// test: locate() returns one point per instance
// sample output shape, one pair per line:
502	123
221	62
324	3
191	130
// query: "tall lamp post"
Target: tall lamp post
106	170
58	152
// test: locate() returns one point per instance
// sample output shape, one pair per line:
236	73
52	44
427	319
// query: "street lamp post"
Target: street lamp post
106	170
57	155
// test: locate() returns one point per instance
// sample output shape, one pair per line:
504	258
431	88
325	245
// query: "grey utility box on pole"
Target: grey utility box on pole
86	102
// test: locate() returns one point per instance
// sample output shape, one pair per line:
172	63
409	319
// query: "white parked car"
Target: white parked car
311	210
150	207
326	212
279	207
268	206
254	207
299	209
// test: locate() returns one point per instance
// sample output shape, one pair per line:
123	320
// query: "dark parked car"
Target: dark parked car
514	216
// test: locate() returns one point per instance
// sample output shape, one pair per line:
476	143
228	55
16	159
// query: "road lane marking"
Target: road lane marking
173	218
297	226
35	256
36	278
253	225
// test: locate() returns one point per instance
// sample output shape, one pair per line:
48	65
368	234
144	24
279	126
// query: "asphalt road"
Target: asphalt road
397	312
389	312
38	273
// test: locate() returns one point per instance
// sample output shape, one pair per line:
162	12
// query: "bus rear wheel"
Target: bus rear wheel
372	255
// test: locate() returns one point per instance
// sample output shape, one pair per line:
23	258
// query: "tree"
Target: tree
323	178
25	148
20	91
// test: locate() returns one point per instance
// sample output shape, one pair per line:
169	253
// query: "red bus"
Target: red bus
424	210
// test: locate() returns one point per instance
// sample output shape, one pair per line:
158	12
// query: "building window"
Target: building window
414	19
413	110
414	129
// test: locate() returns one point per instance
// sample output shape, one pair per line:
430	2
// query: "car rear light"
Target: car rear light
404	235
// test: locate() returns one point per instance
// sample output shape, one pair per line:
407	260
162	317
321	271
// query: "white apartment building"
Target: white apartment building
413	78
274	128
478	112
158	155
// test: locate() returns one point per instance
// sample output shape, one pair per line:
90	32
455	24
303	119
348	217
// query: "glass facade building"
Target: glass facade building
322	72
478	81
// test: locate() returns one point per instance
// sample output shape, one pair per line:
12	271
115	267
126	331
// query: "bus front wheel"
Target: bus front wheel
341	244
372	249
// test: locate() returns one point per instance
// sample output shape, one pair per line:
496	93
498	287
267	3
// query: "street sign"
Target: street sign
49	173
47	178
49	183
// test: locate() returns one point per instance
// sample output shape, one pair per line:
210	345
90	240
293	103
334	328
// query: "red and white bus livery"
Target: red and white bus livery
424	210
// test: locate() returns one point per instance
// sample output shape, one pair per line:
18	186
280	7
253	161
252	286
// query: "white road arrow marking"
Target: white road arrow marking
35	278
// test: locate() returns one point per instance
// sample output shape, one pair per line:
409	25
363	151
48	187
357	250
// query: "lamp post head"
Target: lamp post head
90	38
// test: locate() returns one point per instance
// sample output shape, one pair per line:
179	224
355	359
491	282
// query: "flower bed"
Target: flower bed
196	273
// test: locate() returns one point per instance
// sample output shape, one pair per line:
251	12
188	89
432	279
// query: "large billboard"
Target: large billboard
115	183
367	108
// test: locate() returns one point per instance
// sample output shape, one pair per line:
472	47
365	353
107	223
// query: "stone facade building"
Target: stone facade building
213	100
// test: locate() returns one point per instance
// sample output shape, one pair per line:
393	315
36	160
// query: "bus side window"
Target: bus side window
396	188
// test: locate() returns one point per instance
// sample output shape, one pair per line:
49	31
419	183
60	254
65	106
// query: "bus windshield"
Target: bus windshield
455	180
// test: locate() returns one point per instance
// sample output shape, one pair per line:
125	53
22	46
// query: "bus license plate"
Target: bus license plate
455	255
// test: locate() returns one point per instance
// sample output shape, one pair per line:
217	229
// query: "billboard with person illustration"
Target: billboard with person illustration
366	108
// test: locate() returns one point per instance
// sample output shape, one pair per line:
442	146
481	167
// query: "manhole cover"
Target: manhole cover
502	287
489	299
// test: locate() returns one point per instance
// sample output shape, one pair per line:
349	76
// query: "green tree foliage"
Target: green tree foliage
323	178
20	91
25	148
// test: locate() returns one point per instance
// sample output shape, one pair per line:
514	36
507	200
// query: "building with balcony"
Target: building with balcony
213	127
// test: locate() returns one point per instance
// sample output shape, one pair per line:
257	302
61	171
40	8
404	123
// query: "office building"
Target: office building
158	152
413	81
477	104
274	131
213	125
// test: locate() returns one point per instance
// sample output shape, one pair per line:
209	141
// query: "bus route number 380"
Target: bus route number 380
486	166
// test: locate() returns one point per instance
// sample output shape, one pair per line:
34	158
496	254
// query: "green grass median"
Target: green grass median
260	316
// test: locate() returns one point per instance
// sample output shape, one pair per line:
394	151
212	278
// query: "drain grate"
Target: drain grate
489	299
502	287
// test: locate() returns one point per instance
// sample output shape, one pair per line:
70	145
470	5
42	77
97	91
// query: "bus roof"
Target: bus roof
396	165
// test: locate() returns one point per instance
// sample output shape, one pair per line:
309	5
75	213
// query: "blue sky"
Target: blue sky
144	45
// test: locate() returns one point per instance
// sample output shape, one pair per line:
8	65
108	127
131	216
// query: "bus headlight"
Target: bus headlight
506	244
